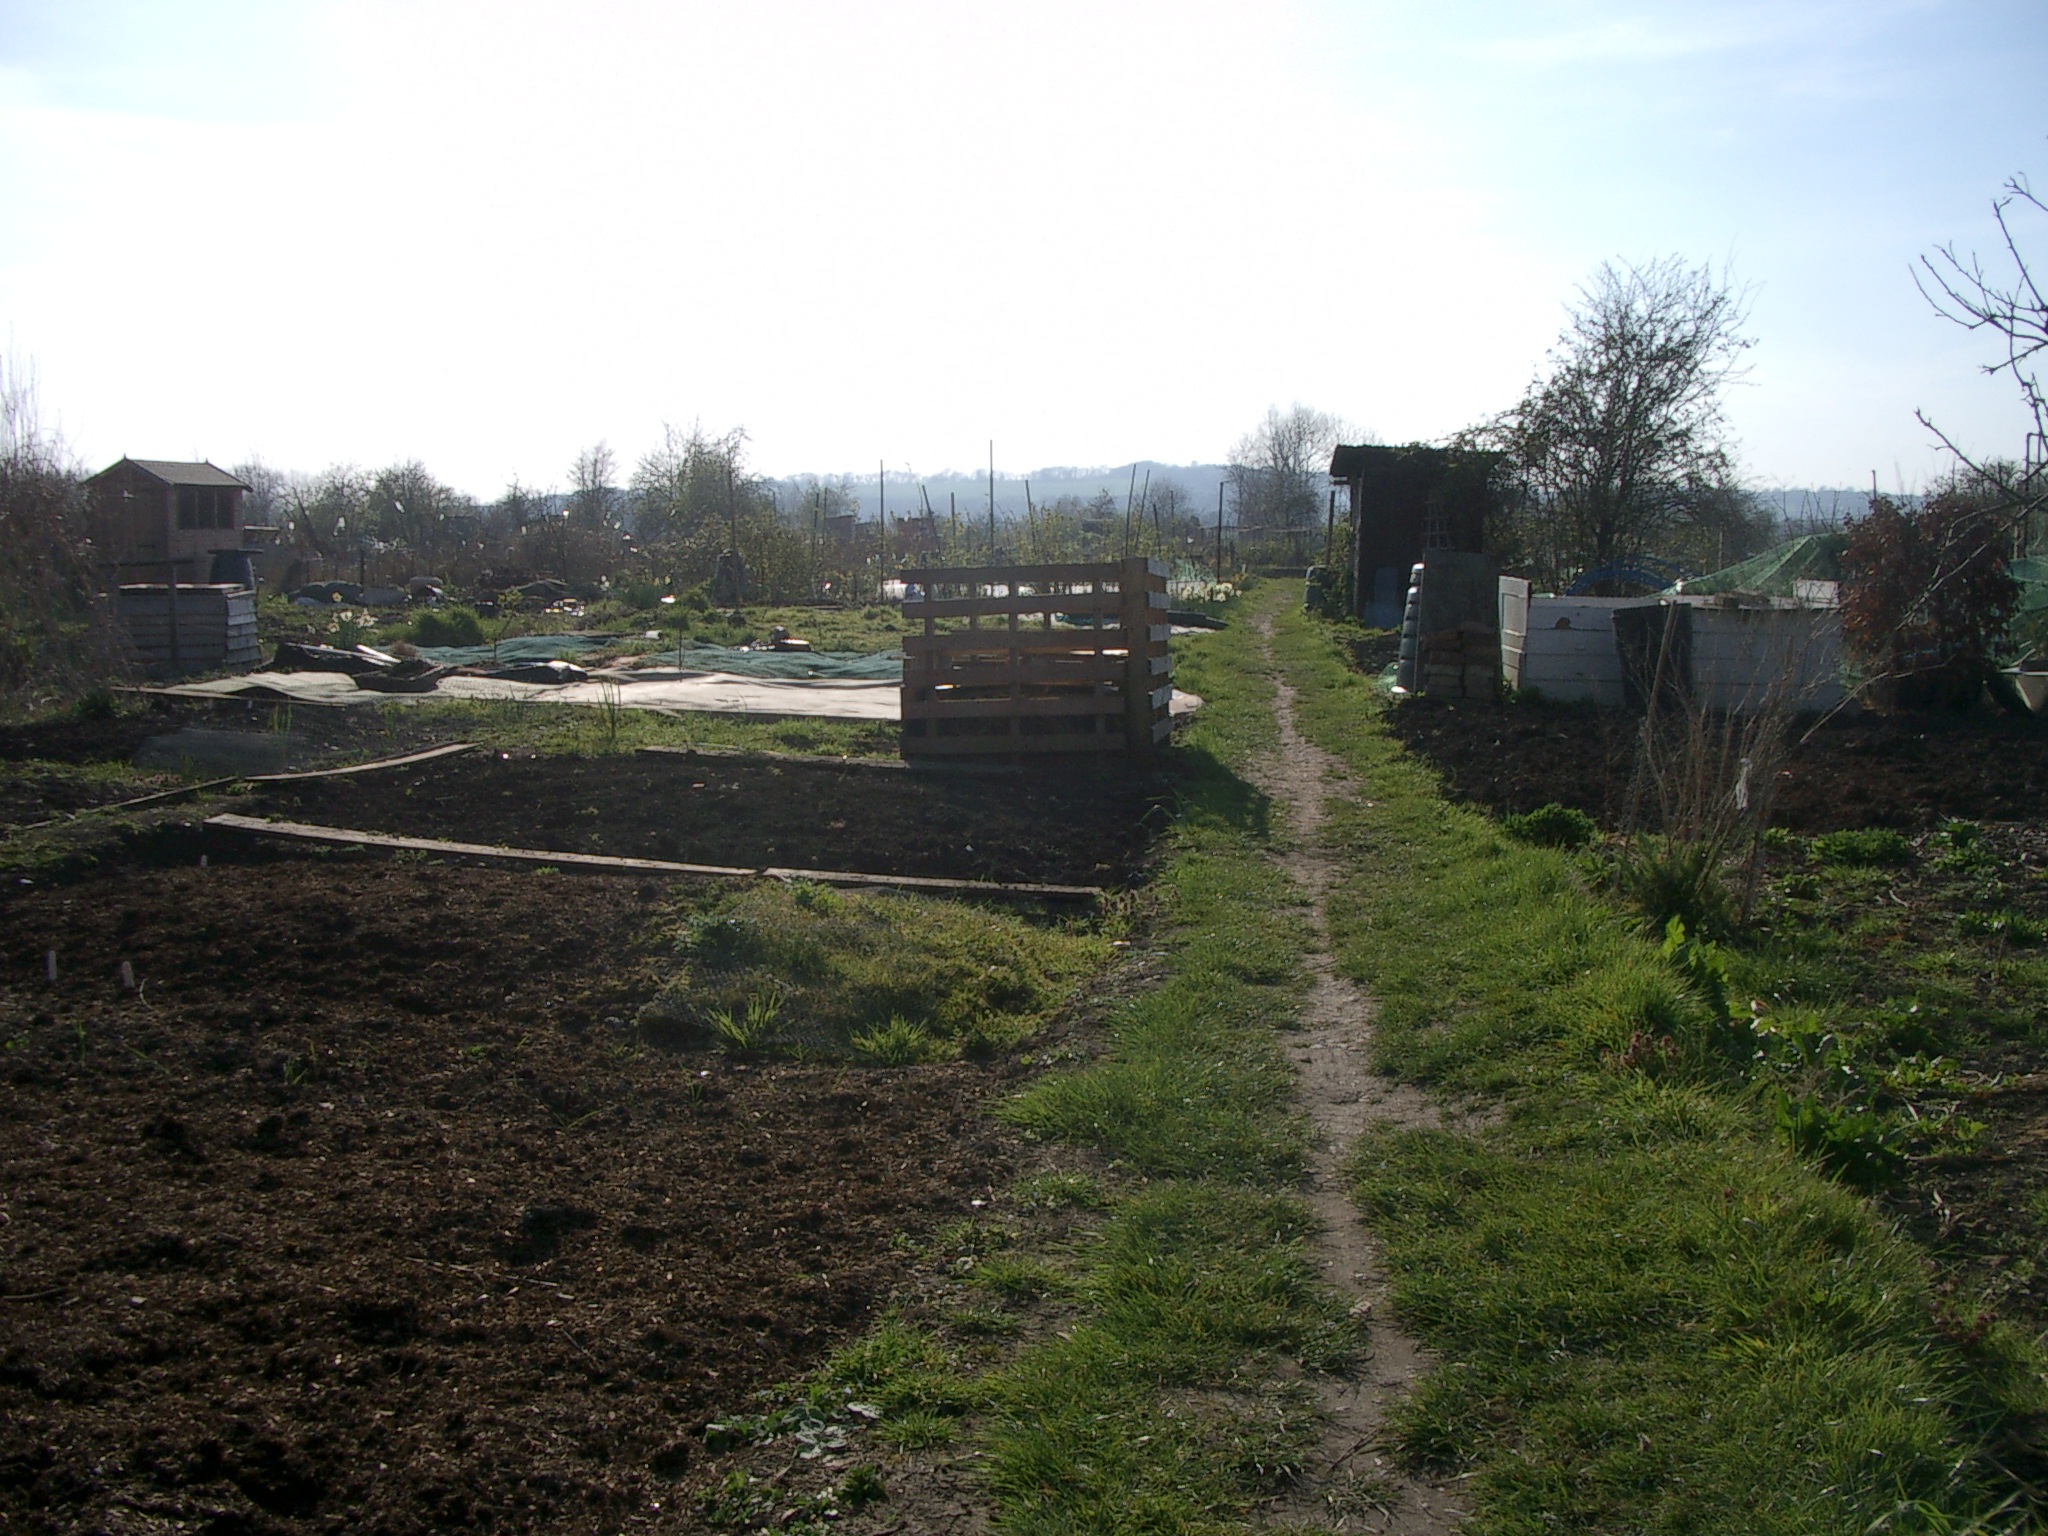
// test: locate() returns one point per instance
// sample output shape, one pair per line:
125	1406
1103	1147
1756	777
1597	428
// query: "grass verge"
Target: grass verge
1652	1315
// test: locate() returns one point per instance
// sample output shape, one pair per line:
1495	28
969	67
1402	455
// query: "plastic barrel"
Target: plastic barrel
1406	668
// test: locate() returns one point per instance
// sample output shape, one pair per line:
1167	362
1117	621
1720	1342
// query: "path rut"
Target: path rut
1351	1482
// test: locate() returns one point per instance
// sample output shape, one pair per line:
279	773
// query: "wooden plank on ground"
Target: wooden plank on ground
427	756
603	863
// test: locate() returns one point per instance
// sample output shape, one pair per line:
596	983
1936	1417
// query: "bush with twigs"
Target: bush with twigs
1927	597
58	636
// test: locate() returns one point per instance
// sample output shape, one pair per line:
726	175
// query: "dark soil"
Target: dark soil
364	1212
1904	771
1076	829
321	737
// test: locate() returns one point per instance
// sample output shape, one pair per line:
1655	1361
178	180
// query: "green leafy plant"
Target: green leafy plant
900	1043
1677	879
1853	1143
2007	927
1060	1190
1856	849
1554	825
448	626
749	1031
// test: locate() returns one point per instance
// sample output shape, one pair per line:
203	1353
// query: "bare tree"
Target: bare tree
1623	446
594	500
1279	472
268	501
328	511
2012	309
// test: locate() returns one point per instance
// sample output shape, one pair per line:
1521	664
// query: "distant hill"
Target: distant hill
1810	509
907	494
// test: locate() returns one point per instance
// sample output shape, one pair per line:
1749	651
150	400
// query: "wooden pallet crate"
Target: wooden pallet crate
215	627
1037	660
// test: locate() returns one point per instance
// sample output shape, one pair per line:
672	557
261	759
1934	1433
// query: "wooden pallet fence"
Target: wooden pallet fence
1036	660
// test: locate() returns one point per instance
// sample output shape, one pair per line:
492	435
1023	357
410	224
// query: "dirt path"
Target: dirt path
1351	1483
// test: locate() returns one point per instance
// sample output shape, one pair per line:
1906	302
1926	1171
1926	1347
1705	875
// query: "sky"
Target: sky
488	235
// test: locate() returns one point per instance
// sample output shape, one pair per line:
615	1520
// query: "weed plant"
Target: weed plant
579	730
895	979
1861	848
1552	826
1653	1312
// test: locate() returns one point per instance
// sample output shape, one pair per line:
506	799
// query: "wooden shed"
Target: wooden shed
154	515
1406	501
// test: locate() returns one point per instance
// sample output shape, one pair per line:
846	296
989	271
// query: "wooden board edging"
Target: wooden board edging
604	863
183	791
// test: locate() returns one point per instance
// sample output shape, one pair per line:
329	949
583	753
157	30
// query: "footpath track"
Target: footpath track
1352	1482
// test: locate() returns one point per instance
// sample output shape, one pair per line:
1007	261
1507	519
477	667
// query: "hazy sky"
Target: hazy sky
487	234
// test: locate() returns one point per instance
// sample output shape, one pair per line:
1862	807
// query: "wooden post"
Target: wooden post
1131	586
171	612
1219	533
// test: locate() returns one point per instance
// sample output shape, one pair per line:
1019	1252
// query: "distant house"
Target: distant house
146	512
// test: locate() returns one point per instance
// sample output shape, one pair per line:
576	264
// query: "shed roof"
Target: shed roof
180	472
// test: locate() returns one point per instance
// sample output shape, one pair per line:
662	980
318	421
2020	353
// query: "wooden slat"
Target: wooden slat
1025	670
1036	641
1109	706
1003	575
1003	607
985	746
601	863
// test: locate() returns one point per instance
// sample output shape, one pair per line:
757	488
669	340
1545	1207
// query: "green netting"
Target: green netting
885	666
1812	557
878	667
517	649
2032	575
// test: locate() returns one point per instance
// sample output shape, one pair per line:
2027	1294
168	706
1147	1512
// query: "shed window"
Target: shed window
206	506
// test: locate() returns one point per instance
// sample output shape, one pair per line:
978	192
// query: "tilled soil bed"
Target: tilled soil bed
1076	829
1904	771
362	1211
